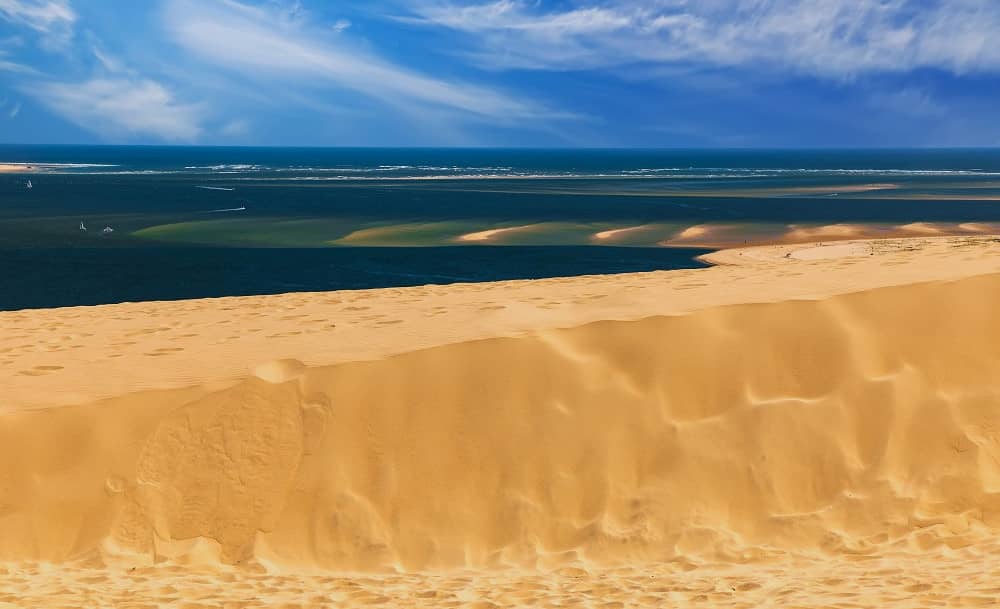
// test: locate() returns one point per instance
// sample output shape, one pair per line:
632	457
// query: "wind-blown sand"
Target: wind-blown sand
792	427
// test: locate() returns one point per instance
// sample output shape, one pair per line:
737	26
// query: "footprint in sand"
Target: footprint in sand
40	370
166	350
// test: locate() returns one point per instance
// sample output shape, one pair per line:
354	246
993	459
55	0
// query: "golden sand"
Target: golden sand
617	232
811	426
734	235
491	234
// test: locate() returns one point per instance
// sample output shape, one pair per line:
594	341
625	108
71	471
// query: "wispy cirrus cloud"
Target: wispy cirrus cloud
340	25
10	108
12	66
121	108
107	61
827	38
53	20
256	42
502	72
517	16
107	98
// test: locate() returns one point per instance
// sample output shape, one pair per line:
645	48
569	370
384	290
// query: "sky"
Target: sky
560	73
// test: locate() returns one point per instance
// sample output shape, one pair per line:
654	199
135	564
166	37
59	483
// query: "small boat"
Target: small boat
28	185
107	230
82	227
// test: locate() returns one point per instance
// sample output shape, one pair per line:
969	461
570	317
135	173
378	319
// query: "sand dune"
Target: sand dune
783	429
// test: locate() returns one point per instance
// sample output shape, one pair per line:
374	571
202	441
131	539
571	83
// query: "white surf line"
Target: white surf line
214	188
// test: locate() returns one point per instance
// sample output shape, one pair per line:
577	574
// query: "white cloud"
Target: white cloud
116	108
14	110
255	41
10	66
511	15
834	38
53	19
41	15
340	25
107	61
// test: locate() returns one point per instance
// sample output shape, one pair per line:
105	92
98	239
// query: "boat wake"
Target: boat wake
231	209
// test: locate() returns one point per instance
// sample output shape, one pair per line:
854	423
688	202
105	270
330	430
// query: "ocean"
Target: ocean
107	224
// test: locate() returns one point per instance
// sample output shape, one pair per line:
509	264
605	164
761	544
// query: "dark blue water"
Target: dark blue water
52	277
196	222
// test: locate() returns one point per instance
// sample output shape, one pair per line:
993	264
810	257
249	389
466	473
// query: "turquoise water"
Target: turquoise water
191	221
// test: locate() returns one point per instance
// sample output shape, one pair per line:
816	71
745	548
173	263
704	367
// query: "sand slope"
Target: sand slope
839	448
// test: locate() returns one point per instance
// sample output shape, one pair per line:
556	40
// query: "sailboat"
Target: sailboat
82	227
28	185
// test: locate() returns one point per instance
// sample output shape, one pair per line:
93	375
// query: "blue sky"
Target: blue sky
662	73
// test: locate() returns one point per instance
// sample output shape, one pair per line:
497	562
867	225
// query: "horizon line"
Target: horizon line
538	148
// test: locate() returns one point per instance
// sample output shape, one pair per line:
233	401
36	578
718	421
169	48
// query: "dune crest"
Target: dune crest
725	432
731	454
